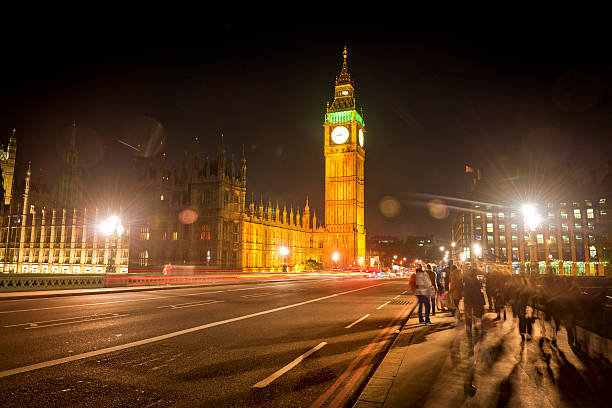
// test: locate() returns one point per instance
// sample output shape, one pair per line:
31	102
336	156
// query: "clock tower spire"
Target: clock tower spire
344	133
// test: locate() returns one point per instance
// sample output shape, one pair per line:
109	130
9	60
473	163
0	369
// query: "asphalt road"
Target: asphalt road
272	344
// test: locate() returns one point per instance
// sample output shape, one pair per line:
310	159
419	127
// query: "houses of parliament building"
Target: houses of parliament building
200	216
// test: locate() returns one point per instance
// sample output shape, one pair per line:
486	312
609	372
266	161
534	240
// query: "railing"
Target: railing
22	282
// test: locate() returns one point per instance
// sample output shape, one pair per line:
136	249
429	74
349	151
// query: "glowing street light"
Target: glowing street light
112	229
453	244
441	249
531	217
477	250
284	251
335	258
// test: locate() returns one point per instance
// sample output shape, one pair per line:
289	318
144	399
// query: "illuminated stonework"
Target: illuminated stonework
344	175
7	164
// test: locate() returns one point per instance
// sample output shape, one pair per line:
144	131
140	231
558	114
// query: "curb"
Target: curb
382	366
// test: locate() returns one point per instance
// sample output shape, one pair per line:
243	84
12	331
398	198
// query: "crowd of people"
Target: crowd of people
559	300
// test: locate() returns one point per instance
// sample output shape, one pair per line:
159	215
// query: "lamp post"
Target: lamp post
284	251
532	220
335	258
453	245
112	229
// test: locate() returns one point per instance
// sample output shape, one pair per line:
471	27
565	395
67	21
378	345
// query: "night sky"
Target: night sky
433	101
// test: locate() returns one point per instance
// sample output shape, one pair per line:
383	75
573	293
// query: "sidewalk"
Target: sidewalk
432	366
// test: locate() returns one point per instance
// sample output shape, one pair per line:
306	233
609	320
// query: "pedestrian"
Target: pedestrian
455	291
440	285
424	291
432	278
473	299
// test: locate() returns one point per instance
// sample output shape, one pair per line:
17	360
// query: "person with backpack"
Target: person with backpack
424	290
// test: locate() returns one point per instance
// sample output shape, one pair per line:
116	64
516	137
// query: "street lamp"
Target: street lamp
336	257
532	220
453	245
112	229
284	251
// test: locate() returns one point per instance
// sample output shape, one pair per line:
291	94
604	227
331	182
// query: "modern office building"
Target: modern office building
551	223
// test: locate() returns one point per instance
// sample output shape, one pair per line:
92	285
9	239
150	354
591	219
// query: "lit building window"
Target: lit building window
592	251
566	239
588	203
577	214
144	233
564	227
540	238
577	226
205	234
552	239
143	258
161	197
175	235
564	215
502	227
500	215
502	240
489	227
590	213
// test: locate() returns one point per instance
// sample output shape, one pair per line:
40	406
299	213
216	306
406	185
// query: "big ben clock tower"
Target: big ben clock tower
344	130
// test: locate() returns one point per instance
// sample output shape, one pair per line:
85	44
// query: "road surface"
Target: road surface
307	343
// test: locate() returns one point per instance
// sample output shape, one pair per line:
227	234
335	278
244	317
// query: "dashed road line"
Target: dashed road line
357	321
265	382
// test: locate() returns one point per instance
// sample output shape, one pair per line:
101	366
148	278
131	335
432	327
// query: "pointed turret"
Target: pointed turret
26	192
243	167
284	213
221	158
344	96
269	212
70	189
306	217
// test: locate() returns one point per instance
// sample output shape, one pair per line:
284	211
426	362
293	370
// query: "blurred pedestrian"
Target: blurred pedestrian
432	278
473	300
455	290
424	291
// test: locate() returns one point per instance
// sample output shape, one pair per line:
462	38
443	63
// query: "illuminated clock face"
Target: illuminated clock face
3	155
340	134
361	137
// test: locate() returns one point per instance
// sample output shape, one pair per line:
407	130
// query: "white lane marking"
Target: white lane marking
191	304
383	305
60	320
396	297
70	320
129	300
51	363
357	321
254	295
265	382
